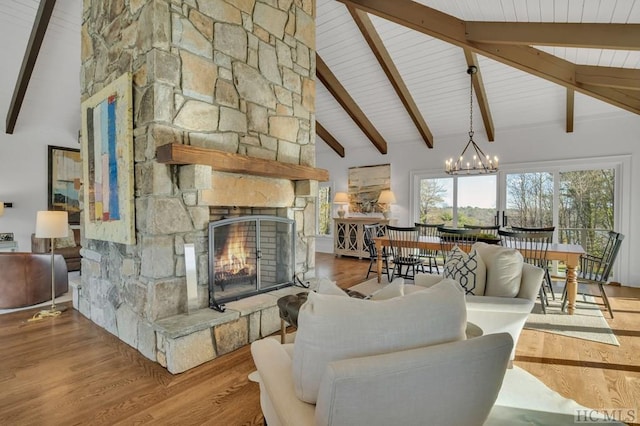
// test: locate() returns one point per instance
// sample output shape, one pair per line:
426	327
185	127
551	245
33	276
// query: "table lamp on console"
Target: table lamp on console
341	198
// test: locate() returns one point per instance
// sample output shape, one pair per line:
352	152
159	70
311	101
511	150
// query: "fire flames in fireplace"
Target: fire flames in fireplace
249	255
236	262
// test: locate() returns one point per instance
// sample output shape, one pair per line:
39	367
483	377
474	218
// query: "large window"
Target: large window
583	199
458	201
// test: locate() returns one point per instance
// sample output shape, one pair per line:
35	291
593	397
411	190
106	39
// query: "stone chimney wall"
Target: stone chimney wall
236	76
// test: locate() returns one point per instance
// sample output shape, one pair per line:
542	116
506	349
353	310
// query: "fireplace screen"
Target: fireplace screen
249	255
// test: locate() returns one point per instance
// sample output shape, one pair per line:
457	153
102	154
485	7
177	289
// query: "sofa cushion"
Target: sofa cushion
65	242
332	328
468	269
394	289
504	269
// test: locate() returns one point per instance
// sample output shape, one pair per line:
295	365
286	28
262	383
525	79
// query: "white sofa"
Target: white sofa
403	361
495	314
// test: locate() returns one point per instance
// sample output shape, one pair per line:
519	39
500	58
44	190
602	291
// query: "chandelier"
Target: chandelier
476	162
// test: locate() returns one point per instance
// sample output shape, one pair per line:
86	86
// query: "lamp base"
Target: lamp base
386	214
341	213
48	313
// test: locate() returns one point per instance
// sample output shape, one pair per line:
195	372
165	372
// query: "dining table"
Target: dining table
567	253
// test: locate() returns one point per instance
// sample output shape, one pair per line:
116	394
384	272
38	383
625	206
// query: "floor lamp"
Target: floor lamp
51	224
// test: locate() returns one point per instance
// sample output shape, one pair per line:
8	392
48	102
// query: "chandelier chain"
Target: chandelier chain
471	106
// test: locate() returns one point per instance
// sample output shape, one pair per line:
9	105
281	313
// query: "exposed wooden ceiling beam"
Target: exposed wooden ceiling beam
481	95
29	61
341	95
452	30
621	78
329	139
600	36
570	114
388	66
222	161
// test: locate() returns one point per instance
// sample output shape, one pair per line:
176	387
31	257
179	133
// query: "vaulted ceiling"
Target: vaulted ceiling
529	73
416	88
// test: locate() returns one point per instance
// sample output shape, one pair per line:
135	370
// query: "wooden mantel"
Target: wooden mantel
235	163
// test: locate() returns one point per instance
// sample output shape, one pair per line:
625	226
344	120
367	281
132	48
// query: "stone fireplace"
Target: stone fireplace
224	95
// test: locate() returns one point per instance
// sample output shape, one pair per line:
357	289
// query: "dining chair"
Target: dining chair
596	269
450	237
402	251
533	246
370	232
485	229
547	275
430	256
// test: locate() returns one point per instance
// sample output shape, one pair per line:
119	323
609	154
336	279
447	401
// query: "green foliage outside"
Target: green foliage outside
324	210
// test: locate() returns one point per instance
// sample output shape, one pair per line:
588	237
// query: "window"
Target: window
324	210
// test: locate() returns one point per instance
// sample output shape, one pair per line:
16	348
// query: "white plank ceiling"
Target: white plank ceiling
434	71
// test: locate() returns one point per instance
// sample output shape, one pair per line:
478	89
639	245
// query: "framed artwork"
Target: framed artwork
107	160
365	185
63	189
6	236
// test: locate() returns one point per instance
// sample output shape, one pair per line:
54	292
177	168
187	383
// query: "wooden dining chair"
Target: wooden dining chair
370	232
451	237
547	275
533	246
429	257
400	253
485	229
596	269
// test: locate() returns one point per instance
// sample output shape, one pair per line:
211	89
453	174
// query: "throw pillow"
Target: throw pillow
394	289
65	242
467	269
504	269
332	328
326	286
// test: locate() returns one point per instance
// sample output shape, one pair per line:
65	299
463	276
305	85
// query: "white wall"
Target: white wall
617	135
23	176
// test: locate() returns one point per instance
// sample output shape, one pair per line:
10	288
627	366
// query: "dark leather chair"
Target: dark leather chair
26	279
71	254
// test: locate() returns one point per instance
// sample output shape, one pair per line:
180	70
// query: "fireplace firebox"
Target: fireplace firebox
249	255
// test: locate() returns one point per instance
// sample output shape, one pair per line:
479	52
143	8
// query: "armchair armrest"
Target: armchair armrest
278	399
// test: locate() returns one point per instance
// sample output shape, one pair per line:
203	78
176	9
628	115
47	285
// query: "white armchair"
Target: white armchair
403	388
495	314
381	362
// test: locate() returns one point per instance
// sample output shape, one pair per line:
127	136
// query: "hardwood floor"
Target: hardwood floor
69	371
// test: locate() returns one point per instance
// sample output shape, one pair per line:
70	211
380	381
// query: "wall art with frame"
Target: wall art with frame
63	187
107	154
365	185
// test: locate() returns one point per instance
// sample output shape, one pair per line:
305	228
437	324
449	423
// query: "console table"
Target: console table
348	235
8	246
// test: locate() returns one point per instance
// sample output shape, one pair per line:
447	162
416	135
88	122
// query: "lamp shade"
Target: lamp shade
386	197
341	198
52	224
1	208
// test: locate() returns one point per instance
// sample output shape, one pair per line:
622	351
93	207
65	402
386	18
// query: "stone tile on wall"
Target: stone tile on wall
252	86
202	23
270	18
198	116
157	256
284	127
186	36
230	40
221	11
198	76
231	335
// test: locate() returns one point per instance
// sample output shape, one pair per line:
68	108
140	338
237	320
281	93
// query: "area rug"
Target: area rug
587	322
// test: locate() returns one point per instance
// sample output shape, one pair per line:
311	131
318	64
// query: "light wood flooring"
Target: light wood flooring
69	371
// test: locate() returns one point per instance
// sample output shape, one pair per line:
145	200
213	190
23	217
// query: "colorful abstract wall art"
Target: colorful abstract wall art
107	153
